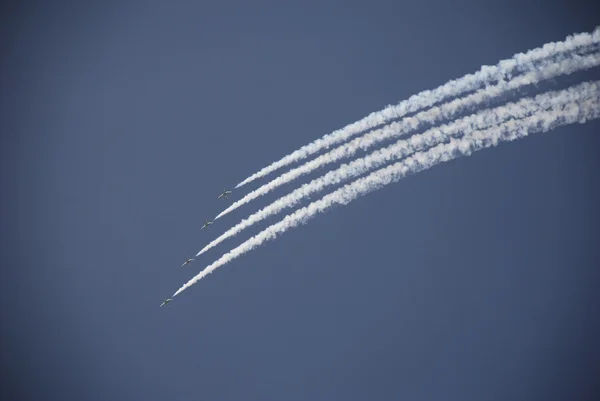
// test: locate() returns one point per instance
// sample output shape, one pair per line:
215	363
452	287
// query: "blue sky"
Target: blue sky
122	122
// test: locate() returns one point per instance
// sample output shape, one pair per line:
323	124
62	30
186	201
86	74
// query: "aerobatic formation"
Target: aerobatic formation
456	119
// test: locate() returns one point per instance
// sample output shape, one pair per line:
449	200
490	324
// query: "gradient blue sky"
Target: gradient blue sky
121	123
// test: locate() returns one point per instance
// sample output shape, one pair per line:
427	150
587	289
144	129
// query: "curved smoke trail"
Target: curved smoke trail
504	69
509	131
545	70
481	119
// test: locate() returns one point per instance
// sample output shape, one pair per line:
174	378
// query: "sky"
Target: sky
122	121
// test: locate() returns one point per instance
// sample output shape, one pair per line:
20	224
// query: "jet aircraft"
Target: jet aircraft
187	262
206	224
166	301
224	194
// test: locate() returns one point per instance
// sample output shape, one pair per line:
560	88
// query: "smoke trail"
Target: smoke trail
504	69
509	131
482	119
445	111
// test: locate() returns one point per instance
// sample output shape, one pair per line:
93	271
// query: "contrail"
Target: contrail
509	131
545	70
504	69
482	119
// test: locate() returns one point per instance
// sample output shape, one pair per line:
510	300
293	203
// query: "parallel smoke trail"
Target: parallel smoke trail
464	146
545	70
504	69
482	119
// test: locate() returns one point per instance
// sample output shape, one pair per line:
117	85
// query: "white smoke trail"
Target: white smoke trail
504	69
482	119
545	70
509	131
